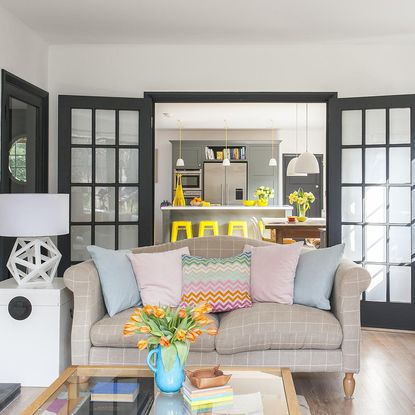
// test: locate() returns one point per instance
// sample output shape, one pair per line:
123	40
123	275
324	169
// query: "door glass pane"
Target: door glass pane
375	204
375	165
105	165
376	126
352	127
400	125
81	122
81	165
128	166
80	239
80	204
129	127
22	146
377	288
399	244
400	165
400	284
375	250
352	165
104	204
105	236
127	236
128	204
104	127
351	204
400	204
352	238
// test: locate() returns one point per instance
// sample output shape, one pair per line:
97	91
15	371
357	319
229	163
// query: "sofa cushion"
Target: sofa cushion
274	326
108	332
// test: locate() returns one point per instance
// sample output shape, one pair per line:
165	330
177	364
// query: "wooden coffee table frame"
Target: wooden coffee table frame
143	371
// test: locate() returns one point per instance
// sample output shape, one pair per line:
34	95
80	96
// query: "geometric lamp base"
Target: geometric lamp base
34	260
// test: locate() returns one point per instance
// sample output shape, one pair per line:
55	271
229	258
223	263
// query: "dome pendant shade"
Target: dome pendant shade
180	163
307	163
291	168
226	162
272	162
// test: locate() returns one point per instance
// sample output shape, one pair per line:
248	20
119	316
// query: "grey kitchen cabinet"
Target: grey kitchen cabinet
259	172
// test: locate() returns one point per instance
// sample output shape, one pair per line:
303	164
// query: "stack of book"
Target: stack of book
206	401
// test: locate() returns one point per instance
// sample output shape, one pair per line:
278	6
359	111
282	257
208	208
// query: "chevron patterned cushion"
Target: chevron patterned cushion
222	282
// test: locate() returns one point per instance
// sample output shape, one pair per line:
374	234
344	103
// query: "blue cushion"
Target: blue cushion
314	276
118	282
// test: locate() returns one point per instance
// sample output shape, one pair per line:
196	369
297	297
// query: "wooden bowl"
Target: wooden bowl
207	378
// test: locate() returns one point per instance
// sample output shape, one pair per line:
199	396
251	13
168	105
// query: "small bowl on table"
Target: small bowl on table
207	378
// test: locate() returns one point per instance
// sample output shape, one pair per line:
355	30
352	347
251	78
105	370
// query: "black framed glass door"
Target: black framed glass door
374	202
106	165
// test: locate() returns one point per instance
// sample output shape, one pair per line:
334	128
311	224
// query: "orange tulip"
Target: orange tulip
182	313
180	334
164	341
159	313
212	331
142	344
148	309
144	329
190	336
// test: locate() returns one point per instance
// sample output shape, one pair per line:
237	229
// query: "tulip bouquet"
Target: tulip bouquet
171	329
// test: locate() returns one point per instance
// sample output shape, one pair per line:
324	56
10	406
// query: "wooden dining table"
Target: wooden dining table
296	230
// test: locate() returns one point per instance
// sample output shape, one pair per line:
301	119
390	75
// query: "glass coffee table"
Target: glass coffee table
267	391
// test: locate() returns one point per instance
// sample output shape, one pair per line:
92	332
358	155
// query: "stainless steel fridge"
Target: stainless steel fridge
225	185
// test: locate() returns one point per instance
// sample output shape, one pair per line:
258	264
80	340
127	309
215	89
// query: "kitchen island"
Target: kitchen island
222	214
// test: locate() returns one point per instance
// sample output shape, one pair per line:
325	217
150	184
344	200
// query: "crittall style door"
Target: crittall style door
106	165
371	201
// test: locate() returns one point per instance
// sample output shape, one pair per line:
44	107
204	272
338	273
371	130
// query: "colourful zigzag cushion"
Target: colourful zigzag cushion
224	283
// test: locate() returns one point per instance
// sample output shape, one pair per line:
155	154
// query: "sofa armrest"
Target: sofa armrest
83	280
349	283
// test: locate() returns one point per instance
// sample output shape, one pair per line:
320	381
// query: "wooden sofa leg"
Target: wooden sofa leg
348	385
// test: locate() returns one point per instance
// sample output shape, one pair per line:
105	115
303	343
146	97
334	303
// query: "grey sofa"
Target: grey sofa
301	338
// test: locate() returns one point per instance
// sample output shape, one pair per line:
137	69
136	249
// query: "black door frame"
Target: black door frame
13	86
146	160
320	159
332	148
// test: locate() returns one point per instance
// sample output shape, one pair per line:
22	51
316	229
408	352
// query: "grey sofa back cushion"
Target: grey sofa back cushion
208	247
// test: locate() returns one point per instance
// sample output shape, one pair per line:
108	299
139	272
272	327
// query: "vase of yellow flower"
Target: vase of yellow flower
302	200
169	333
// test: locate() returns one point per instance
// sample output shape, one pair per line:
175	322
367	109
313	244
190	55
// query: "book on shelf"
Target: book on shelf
115	391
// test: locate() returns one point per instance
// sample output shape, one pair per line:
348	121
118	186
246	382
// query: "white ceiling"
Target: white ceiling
214	21
239	116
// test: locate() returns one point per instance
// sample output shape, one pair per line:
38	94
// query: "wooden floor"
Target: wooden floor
385	385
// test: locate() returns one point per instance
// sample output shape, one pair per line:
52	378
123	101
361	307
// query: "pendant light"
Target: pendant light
272	161
307	162
226	162
291	165
180	161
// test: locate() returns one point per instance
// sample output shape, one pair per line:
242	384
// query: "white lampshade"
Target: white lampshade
226	162
34	214
291	168
272	162
307	163
179	163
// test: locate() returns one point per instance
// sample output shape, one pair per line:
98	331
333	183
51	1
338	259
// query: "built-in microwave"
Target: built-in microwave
191	179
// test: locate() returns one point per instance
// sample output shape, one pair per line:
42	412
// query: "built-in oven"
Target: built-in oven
191	179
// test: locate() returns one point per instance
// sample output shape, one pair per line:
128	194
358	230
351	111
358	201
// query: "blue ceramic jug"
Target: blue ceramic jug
167	381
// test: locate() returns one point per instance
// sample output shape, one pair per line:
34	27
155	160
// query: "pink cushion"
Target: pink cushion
273	272
159	276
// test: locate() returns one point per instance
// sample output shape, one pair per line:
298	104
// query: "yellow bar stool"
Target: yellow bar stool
238	225
181	225
208	225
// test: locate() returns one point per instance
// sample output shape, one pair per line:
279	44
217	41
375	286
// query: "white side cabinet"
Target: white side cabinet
35	332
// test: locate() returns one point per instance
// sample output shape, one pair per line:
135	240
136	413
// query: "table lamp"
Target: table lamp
33	218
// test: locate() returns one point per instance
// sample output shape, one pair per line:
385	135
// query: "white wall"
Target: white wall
22	51
129	70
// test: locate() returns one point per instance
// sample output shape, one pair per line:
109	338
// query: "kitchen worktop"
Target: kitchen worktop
233	207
